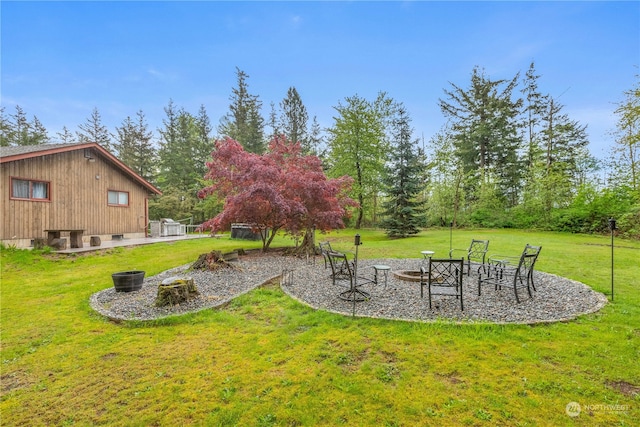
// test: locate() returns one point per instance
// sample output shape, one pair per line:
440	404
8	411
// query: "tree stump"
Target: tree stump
214	260
175	290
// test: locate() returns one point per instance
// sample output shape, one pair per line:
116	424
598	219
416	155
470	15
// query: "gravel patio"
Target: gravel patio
556	299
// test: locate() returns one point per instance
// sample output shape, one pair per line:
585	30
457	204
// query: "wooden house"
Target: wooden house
76	190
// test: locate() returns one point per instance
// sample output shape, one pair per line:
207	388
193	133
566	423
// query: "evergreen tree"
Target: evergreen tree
564	142
485	130
134	146
244	123
94	131
6	129
66	136
37	133
293	119
534	107
179	169
18	130
204	144
403	180
556	158
316	140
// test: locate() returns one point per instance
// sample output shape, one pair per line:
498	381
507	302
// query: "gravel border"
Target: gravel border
557	298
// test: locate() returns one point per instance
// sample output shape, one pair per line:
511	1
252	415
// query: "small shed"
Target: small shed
81	187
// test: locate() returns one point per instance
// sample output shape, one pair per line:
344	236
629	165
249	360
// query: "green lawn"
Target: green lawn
267	360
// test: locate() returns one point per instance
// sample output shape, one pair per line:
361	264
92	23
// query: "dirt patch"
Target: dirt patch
624	387
451	378
109	356
13	381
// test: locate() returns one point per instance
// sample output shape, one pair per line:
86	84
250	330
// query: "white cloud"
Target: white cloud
296	21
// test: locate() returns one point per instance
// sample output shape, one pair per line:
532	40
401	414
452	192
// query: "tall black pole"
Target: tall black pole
450	236
357	243
612	226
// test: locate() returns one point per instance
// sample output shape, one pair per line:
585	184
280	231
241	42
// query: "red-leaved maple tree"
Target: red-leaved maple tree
279	190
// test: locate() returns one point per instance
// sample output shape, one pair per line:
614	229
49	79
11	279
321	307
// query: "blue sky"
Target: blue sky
61	59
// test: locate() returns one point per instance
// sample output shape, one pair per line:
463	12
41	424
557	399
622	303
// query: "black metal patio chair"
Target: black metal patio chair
343	275
325	248
477	251
510	272
442	277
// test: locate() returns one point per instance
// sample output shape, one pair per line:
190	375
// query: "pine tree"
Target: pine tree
94	131
204	144
66	136
244	123
273	121
6	129
565	144
534	106
18	130
134	146
403	180
293	119
37	133
485	130
316	140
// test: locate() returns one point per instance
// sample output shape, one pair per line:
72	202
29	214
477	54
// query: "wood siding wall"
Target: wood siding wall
78	193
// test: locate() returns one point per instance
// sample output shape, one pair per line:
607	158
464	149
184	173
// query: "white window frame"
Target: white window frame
121	198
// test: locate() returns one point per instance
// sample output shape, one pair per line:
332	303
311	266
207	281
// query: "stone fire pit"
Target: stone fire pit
407	275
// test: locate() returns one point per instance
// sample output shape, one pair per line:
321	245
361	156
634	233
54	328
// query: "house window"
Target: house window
25	189
118	198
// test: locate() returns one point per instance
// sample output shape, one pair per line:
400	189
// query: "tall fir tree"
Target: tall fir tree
403	180
5	129
134	146
533	108
293	119
18	130
485	129
37	133
316	140
204	144
94	131
564	143
65	136
244	122
179	168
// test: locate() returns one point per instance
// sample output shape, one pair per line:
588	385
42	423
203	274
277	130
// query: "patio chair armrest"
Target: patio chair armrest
502	259
451	251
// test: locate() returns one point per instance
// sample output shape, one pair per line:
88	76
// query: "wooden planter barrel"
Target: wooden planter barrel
128	281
